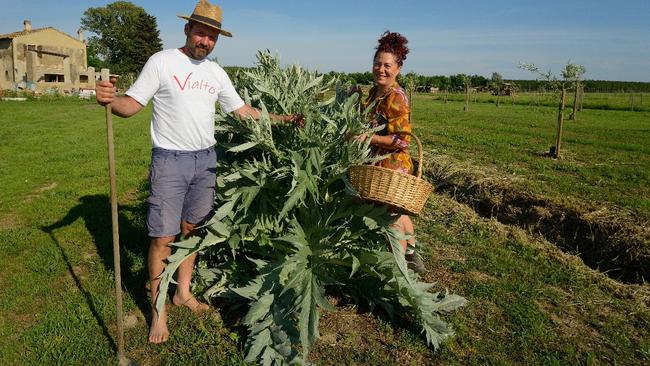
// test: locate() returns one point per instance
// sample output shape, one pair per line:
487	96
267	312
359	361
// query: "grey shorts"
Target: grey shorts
181	187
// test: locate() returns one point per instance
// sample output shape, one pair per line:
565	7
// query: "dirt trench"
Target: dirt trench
609	239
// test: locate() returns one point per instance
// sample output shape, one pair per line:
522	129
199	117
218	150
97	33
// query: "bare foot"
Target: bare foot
158	333
191	303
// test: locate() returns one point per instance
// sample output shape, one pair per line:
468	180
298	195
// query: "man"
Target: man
184	86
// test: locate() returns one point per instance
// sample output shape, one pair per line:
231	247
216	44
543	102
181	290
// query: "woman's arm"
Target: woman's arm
386	142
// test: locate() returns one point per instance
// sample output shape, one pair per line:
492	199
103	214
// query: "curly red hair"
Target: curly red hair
394	43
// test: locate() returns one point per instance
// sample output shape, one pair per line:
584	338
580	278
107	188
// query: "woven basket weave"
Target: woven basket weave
404	192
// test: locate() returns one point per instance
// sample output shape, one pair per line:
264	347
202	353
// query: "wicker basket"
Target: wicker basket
403	192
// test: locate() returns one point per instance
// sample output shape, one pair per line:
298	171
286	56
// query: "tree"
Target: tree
410	82
123	36
570	74
496	84
467	84
573	73
457	82
148	41
93	59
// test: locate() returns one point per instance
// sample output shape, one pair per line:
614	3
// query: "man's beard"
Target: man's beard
198	52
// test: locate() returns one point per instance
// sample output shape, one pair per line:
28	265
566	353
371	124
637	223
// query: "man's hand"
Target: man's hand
123	106
360	138
105	91
296	119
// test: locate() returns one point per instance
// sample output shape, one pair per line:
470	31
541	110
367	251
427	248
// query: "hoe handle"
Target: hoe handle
105	75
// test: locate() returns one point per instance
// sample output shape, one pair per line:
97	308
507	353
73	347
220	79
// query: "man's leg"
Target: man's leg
199	202
167	187
159	250
183	296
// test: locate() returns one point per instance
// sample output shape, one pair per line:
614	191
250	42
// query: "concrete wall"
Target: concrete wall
45	60
6	65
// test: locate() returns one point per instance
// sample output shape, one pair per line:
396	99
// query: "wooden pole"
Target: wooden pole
574	113
582	96
105	75
560	123
466	97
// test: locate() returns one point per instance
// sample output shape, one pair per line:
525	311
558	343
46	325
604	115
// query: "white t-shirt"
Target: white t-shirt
184	94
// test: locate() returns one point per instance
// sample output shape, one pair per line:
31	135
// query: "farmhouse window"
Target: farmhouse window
54	78
83	78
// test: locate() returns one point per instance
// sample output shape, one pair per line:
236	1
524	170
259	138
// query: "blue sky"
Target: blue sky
611	39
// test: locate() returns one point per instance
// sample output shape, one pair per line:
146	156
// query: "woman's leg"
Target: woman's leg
413	259
408	229
404	226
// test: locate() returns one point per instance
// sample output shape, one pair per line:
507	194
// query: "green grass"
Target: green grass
58	302
605	154
529	303
607	101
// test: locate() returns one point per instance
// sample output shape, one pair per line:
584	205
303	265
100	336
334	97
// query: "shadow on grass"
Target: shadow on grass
95	211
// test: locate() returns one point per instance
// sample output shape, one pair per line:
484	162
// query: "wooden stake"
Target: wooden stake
560	123
582	96
574	114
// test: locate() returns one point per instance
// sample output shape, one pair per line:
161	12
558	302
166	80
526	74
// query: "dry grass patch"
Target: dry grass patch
10	221
357	338
611	239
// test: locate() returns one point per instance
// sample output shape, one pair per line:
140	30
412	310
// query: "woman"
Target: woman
392	109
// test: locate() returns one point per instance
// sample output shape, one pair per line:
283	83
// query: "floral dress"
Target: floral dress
392	110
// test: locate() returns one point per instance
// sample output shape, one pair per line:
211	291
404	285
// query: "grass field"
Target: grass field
607	101
529	302
605	154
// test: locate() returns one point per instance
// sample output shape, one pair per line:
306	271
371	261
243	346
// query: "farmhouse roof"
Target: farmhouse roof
26	32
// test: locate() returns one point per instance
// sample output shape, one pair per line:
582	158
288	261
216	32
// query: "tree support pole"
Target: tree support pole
560	124
574	114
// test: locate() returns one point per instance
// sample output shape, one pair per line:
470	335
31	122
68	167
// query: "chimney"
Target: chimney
28	25
80	34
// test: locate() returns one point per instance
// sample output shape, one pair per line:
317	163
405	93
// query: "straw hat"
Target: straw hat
207	14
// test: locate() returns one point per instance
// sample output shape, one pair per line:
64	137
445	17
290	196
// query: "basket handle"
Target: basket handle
420	155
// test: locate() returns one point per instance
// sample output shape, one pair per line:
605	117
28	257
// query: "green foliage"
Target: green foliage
93	58
524	287
124	36
571	74
496	81
288	227
454	83
147	40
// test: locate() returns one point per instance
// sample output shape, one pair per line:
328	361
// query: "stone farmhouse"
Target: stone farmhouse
44	59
